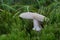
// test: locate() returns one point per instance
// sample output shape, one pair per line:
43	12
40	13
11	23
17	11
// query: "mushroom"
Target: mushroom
36	19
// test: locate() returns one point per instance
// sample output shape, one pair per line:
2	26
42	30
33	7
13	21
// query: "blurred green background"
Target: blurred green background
14	28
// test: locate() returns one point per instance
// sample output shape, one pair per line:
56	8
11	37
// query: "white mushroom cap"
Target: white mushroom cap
30	15
36	17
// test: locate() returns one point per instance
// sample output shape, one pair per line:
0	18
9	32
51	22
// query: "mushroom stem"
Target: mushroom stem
36	27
